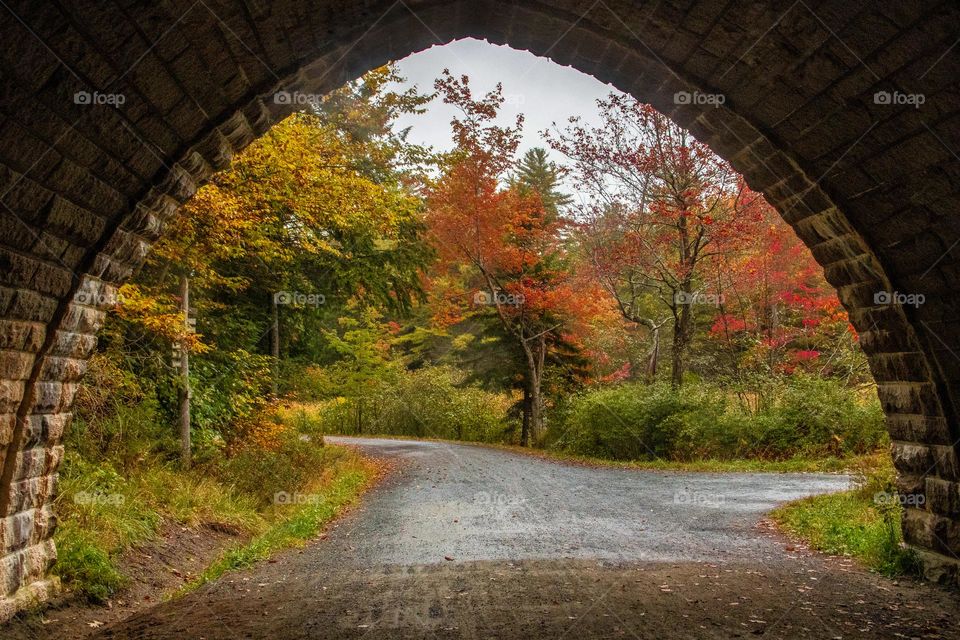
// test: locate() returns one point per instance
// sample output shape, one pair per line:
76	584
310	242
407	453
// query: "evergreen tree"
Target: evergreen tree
535	172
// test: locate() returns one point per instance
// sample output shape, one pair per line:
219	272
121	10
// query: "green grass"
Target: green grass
102	515
195	499
850	524
745	465
854	464
298	523
85	565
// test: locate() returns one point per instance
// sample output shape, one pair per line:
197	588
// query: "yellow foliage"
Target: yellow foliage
158	316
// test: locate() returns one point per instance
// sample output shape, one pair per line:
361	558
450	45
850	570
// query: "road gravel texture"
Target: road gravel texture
464	541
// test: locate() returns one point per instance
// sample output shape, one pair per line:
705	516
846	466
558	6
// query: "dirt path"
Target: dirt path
470	542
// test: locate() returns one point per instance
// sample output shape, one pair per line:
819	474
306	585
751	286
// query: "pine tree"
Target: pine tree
536	173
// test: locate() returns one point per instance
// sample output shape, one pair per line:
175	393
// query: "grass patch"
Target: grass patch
103	515
798	464
867	463
855	524
84	564
195	499
293	524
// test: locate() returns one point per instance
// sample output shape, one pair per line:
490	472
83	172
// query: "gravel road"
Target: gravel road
476	503
472	542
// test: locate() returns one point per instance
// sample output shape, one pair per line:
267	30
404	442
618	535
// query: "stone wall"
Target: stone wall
113	114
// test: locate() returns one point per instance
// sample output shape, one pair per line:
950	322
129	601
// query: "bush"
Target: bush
822	417
227	389
623	424
433	402
808	417
117	416
286	465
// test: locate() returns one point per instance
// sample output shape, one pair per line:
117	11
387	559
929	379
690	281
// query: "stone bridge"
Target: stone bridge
844	113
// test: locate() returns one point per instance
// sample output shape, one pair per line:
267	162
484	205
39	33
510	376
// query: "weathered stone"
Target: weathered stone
917	459
942	497
937	567
870	185
919	428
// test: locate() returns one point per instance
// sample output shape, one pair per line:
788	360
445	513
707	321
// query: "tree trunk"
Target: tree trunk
681	338
654	358
185	393
536	411
532	397
275	343
525	428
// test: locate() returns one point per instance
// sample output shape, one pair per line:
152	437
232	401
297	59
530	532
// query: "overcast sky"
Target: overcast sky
537	87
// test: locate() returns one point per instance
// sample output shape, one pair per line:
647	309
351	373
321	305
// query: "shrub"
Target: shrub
807	417
628	422
286	466
823	417
117	416
430	402
228	389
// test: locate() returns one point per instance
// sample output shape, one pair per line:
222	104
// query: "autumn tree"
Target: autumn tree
319	211
779	315
498	241
659	206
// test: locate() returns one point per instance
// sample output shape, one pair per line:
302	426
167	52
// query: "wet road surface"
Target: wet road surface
472	542
477	503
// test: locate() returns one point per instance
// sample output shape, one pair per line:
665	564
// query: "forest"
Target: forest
617	293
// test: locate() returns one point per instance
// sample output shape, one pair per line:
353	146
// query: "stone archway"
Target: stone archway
819	112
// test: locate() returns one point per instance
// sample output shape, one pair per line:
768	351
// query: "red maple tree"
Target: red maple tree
658	206
500	249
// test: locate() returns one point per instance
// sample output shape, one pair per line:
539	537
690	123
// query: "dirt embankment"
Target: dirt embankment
155	571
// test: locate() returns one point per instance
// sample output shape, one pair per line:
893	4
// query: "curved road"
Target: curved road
477	503
470	542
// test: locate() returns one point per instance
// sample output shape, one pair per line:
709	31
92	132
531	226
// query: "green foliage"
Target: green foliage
621	423
117	414
535	172
85	565
96	497
118	485
828	418
432	402
855	523
227	387
285	467
100	514
811	418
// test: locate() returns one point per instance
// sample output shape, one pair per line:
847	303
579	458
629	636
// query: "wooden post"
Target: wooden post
275	342
185	449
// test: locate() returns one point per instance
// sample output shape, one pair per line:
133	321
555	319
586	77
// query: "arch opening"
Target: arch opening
869	185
